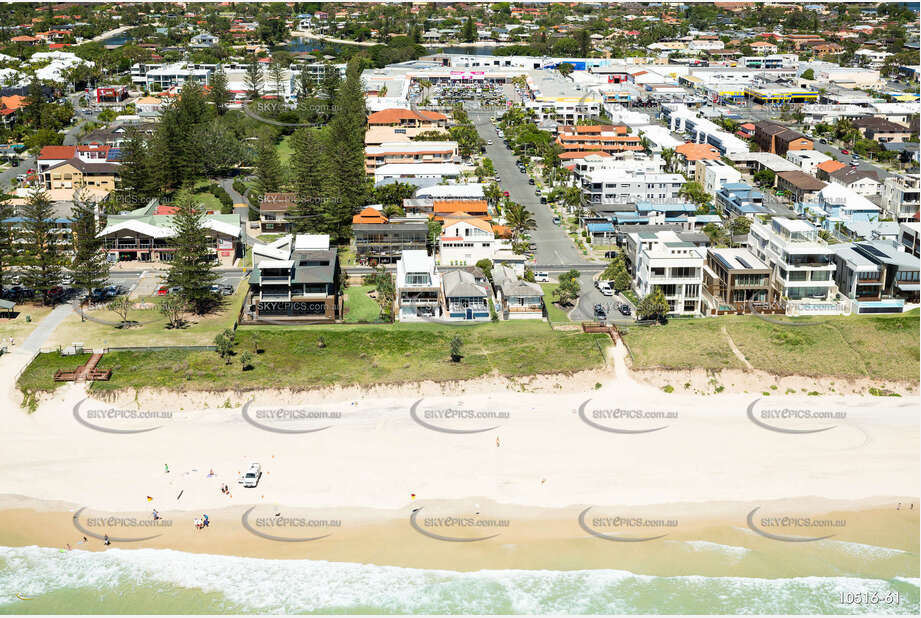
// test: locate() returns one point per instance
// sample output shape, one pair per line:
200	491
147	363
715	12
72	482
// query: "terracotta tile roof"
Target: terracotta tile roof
830	167
474	221
397	114
369	215
697	152
451	206
58	152
581	154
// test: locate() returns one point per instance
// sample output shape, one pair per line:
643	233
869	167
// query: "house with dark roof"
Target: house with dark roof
518	299
801	186
861	182
464	298
294	279
881	130
76	173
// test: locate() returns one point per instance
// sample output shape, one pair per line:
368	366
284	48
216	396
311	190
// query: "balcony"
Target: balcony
275	279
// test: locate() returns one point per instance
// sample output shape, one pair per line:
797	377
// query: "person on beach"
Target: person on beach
106	541
204	520
156	515
166	468
83	541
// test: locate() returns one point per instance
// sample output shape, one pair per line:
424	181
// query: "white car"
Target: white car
489	142
252	476
605	288
542	276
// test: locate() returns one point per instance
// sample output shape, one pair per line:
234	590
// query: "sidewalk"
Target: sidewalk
12	363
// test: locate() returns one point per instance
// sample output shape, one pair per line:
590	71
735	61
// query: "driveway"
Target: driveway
553	245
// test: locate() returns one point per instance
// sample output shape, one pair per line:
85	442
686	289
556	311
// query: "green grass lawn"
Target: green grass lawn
27	318
880	347
556	314
358	354
359	307
39	376
285	150
267	238
151	329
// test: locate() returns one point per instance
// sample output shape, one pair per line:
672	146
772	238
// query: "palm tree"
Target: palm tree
519	219
668	154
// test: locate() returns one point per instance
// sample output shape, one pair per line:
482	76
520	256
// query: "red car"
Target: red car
845	152
162	290
505	193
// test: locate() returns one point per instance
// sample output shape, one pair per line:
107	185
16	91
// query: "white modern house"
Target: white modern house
807	160
666	262
418	286
712	174
901	197
802	263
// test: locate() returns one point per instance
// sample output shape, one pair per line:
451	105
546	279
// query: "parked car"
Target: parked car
600	313
845	152
530	181
175	290
624	309
498	178
556	220
543	200
56	293
605	288
505	193
98	295
489	142
162	290
222	289
542	276
252	476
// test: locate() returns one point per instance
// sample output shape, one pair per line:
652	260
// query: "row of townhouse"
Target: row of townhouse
160	77
425	293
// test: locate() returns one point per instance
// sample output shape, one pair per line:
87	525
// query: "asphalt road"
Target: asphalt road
553	245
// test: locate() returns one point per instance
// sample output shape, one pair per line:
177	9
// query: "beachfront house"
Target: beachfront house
465	299
518	299
418	292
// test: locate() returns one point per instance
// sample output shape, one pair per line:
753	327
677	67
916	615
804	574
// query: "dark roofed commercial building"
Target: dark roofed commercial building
778	139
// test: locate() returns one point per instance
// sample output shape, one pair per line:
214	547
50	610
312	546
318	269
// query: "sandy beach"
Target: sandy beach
603	440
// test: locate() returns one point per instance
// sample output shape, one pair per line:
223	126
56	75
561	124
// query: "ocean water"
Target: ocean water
171	582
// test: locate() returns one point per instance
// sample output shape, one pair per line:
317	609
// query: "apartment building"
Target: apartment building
882	130
689	154
408	153
778	139
801	262
418	286
702	131
597	138
398	171
861	182
900	197
295	278
714	174
401	124
734	280
623	186
666	262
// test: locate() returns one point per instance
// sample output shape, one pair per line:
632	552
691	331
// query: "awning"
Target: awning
908	287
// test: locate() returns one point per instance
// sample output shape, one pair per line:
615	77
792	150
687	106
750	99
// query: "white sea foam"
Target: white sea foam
287	586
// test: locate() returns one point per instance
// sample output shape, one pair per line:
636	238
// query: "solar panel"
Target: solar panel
873	250
743	262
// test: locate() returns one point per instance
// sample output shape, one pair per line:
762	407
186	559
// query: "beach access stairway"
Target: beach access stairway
84	373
